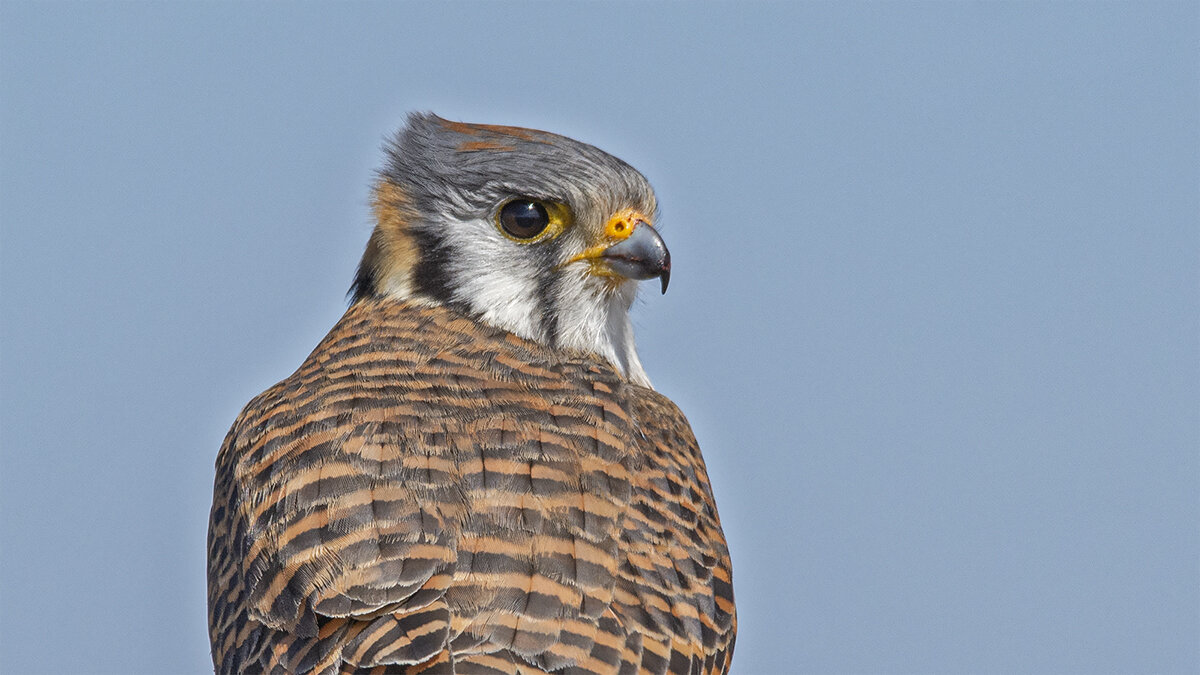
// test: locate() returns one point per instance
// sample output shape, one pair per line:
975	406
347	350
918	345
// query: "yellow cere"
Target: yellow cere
618	229
621	225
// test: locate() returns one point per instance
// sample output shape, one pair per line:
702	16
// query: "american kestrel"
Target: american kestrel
471	473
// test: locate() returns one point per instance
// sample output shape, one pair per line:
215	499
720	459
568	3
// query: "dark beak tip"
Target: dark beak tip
665	275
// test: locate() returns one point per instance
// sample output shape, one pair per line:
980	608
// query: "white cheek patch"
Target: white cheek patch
498	280
492	277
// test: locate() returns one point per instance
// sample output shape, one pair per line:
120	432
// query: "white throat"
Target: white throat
600	324
587	318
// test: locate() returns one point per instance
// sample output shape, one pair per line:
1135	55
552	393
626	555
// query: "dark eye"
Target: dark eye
524	218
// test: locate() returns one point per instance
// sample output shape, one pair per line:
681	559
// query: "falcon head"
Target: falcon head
528	231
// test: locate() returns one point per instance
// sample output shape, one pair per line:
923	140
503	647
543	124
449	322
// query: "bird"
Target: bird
472	472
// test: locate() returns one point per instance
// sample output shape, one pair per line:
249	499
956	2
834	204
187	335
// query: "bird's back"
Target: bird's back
428	494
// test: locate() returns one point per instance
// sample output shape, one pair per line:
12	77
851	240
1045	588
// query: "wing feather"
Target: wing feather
427	495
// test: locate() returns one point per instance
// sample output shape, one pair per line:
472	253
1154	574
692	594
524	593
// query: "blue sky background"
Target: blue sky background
935	312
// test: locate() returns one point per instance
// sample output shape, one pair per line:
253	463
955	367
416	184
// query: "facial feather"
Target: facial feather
454	179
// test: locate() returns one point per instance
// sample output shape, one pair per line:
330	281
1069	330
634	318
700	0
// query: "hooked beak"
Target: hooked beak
639	254
643	255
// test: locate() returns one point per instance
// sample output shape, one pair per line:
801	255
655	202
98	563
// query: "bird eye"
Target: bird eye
524	218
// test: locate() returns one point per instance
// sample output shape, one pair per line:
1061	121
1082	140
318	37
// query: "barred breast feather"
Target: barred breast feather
430	495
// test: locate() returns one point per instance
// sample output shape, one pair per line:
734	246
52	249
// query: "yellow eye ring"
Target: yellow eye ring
528	221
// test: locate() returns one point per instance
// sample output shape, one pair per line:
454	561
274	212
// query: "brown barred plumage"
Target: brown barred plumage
427	494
